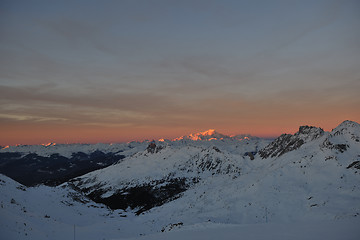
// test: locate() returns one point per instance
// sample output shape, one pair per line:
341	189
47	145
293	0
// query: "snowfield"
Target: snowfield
329	230
202	186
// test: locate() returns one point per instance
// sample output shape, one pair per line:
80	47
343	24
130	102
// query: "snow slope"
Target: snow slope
49	213
329	230
44	213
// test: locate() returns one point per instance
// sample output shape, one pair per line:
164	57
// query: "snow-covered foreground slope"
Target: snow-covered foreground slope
44	213
51	213
329	230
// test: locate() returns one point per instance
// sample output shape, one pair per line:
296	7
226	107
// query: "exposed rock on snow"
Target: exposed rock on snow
287	142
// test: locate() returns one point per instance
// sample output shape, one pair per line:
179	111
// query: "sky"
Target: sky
113	71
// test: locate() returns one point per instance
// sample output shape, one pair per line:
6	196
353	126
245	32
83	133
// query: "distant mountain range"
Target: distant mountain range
205	177
52	164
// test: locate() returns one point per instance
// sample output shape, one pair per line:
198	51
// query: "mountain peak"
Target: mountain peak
349	128
288	142
207	135
48	144
309	133
209	132
347	124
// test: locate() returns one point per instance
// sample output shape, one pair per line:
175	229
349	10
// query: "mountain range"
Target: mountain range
159	186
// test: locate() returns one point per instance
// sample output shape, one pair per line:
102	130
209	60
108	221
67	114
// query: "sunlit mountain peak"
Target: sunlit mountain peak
208	135
48	144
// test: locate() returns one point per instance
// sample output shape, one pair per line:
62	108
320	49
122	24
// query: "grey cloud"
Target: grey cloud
101	106
98	106
76	96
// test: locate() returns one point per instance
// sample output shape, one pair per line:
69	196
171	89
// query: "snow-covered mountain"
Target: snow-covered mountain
53	164
210	178
288	142
208	135
293	168
165	169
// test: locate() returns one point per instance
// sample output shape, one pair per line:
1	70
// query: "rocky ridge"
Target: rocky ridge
288	142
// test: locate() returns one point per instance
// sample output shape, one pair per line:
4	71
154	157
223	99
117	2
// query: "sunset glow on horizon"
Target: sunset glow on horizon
37	136
120	71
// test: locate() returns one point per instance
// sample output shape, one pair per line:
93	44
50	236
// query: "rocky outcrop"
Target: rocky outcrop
140	197
347	128
153	148
287	142
355	164
344	136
